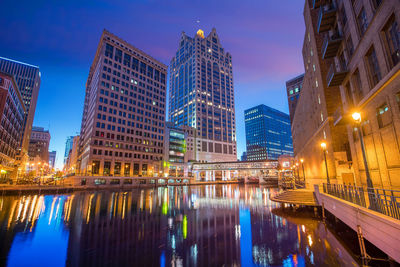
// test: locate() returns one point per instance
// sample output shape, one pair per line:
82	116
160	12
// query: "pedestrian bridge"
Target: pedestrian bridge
259	171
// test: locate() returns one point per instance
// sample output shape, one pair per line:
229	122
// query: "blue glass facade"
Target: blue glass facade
268	133
68	147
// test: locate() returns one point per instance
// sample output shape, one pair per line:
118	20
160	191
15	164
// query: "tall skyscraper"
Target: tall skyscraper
28	80
52	159
72	158
201	95
293	88
68	147
122	131
39	145
12	112
268	134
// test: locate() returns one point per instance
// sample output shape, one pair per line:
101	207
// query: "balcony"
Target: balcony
318	3
331	46
336	75
326	18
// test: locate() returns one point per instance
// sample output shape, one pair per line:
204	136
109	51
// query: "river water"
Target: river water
211	225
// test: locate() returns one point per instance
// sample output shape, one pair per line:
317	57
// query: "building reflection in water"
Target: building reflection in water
208	225
32	231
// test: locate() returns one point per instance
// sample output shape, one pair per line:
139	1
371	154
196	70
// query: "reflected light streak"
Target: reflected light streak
52	208
20	206
14	205
89	208
123	206
26	205
310	242
32	208
57	209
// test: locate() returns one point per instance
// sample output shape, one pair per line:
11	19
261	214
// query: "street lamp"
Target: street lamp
357	118
302	166
323	146
93	164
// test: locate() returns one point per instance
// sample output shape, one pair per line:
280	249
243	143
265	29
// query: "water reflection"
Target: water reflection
180	226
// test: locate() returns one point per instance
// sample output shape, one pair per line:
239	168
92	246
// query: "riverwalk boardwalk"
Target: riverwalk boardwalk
381	230
352	206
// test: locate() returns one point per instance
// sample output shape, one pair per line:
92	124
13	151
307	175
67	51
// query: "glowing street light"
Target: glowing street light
356	117
323	146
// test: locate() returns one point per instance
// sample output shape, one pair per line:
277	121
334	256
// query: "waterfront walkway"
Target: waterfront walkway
302	197
379	229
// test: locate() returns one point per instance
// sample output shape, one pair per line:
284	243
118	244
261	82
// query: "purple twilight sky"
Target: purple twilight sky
264	37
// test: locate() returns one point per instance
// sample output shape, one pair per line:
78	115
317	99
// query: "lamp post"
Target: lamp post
302	166
18	174
33	170
93	164
370	187
323	146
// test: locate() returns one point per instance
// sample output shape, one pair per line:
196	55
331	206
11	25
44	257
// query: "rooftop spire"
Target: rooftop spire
200	33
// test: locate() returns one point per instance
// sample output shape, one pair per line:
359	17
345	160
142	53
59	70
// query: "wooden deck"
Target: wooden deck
296	197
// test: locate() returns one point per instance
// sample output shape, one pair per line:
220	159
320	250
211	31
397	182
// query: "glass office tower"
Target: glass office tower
27	78
268	133
201	95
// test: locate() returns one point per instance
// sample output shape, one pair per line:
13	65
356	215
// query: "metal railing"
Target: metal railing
337	36
300	183
384	201
328	8
335	69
